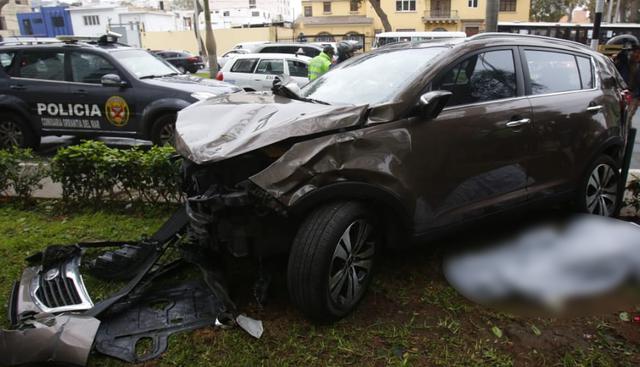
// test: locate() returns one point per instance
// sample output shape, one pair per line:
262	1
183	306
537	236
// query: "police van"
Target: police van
88	86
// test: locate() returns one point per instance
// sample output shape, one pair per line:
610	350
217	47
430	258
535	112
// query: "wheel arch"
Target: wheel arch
15	105
395	215
158	108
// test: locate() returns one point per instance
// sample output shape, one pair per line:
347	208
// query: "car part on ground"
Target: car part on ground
62	339
53	283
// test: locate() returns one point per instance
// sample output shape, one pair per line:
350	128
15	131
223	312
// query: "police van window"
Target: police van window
90	68
244	66
586	72
270	67
297	68
6	59
45	65
552	72
483	77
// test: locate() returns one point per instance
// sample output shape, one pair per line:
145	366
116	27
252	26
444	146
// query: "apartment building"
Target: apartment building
328	18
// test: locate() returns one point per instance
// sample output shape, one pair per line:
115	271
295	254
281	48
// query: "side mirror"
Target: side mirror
432	103
112	80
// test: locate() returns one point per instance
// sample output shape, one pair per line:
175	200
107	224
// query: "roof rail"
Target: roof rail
506	34
27	41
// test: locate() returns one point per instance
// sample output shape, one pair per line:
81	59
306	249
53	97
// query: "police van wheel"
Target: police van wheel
164	130
14	132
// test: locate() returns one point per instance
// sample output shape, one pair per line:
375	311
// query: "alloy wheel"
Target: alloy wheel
351	263
10	135
168	134
602	191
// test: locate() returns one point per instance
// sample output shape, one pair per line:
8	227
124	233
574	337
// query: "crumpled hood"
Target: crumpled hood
233	124
193	84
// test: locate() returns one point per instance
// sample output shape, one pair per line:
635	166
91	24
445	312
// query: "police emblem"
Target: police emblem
117	111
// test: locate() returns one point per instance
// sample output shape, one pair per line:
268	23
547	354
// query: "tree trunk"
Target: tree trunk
633	11
381	14
210	42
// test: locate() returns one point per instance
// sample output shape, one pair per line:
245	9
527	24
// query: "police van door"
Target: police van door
111	108
38	78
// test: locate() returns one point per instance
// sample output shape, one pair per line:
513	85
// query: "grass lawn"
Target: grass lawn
411	317
202	74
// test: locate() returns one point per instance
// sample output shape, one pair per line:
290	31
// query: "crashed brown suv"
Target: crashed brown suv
396	144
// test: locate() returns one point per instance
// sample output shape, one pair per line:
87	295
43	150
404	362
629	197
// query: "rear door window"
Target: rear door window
586	72
297	68
552	72
270	67
43	65
482	77
244	65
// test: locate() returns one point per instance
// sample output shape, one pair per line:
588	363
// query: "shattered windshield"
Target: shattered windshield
372	78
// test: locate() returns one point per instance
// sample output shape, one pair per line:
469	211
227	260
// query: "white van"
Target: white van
256	72
394	37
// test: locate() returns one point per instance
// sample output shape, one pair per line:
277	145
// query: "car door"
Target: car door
266	72
38	78
118	114
474	153
298	71
567	108
241	73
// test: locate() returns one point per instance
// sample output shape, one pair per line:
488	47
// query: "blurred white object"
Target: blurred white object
587	255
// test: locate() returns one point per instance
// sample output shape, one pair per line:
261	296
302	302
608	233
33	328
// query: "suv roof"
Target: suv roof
107	42
279	55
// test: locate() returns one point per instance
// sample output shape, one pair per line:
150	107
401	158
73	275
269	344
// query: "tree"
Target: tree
553	10
377	7
210	42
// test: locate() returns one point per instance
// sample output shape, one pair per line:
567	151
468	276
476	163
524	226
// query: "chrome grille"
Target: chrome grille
60	288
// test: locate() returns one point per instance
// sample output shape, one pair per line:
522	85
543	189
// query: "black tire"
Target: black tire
163	130
600	198
315	257
15	132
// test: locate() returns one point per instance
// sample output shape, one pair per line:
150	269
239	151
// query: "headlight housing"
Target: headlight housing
201	96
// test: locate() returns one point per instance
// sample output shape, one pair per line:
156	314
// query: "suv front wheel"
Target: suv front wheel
163	130
14	132
332	259
599	192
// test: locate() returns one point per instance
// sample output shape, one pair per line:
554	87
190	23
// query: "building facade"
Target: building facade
8	16
45	21
273	10
328	18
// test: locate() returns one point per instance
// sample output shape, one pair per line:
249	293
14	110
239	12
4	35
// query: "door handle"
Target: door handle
80	91
518	123
17	87
594	108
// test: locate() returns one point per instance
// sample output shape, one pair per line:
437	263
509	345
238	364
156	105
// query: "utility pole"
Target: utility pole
491	16
210	42
595	33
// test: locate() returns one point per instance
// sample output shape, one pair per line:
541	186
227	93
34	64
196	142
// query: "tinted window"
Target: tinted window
90	68
46	65
244	66
311	52
552	72
297	68
270	67
6	60
484	77
586	72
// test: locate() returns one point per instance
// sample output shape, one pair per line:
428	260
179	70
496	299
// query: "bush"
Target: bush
93	171
20	170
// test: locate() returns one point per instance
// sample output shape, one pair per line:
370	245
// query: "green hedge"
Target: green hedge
22	178
92	171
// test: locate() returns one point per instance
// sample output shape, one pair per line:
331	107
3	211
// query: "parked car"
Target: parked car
306	49
256	72
87	89
182	60
437	134
231	54
250	46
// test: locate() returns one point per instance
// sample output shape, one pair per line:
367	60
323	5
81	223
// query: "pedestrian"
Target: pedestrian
345	51
633	81
321	63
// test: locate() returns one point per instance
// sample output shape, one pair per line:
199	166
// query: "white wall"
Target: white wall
150	22
105	14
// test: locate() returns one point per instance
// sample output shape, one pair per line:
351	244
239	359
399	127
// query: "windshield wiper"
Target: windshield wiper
312	100
152	76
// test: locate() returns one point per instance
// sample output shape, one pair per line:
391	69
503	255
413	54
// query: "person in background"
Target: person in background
321	63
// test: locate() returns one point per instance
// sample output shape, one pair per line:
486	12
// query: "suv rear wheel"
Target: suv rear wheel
14	132
332	259
599	192
164	130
